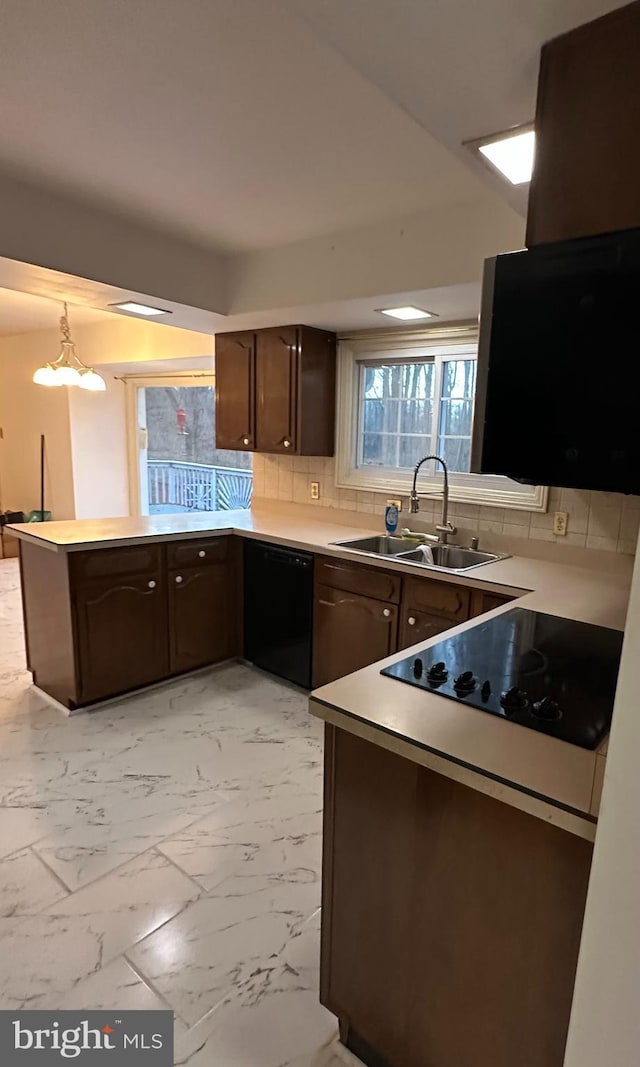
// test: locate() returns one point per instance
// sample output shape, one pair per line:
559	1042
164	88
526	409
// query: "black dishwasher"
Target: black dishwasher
278	610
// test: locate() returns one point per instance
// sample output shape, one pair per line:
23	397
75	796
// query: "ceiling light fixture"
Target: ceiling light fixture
512	154
407	313
140	309
68	368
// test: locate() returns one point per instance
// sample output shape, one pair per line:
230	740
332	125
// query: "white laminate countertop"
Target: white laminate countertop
502	758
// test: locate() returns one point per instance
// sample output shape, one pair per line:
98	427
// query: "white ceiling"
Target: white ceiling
23	312
226	119
461	69
246	123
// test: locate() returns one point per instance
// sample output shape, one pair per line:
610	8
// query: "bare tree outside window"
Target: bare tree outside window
410	409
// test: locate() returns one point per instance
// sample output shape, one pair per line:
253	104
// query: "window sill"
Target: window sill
475	489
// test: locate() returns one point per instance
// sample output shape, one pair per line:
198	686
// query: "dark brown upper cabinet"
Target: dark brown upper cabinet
235	391
275	391
585	179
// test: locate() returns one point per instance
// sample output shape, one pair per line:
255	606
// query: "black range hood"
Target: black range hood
558	393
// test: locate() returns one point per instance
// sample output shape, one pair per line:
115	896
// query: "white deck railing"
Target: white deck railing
197	487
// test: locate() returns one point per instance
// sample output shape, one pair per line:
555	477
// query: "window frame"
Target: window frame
441	344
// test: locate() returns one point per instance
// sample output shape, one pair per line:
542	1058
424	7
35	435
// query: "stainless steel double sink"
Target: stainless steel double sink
432	555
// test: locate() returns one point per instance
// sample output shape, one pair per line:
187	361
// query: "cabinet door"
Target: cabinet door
276	390
235	391
350	631
587	156
418	626
201	620
121	626
482	601
367	893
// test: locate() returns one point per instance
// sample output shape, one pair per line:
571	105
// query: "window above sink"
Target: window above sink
406	394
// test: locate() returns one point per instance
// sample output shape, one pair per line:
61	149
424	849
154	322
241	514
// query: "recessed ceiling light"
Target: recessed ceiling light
406	313
512	154
140	309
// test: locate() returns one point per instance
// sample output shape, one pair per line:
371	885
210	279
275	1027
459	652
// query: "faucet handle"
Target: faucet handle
474	544
447	528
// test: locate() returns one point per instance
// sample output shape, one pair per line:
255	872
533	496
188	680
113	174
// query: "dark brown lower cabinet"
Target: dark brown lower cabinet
366	890
121	627
482	601
451	921
105	621
350	631
201	616
418	626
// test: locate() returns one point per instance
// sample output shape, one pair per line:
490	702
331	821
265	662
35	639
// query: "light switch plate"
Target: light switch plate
315	490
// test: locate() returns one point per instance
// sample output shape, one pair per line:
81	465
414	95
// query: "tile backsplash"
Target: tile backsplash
607	522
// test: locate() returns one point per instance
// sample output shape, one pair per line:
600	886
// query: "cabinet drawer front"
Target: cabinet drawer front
199	552
355	578
111	562
437	598
416	626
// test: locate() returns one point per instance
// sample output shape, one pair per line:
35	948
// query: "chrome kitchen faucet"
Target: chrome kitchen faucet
445	529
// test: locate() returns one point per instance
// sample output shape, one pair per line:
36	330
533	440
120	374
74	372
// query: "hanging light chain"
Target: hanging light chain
64	324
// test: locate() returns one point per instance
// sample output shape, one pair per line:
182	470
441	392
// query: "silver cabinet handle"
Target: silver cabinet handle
151	585
287	443
386	612
178	579
326	603
411	620
202	553
246	440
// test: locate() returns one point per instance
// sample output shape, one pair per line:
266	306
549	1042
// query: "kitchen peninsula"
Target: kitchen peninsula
457	854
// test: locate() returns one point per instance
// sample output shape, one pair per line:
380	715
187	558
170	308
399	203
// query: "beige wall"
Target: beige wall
98	429
606	522
26	411
86	471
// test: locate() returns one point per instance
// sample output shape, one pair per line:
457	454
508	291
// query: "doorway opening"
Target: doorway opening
176	466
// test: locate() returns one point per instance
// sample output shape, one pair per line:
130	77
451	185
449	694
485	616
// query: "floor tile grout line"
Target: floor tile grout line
140	975
150	933
226	997
111	870
185	874
21	848
68	892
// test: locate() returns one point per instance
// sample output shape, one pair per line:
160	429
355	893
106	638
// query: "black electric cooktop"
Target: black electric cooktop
546	673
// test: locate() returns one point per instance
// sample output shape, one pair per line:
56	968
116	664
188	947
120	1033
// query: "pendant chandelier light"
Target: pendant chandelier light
68	368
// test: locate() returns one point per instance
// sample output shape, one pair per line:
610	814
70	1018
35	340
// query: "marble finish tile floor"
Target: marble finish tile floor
164	852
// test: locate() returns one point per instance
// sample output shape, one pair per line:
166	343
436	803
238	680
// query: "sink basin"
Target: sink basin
450	557
435	556
383	545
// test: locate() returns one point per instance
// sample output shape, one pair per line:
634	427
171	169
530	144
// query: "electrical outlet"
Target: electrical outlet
560	523
315	490
398	504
